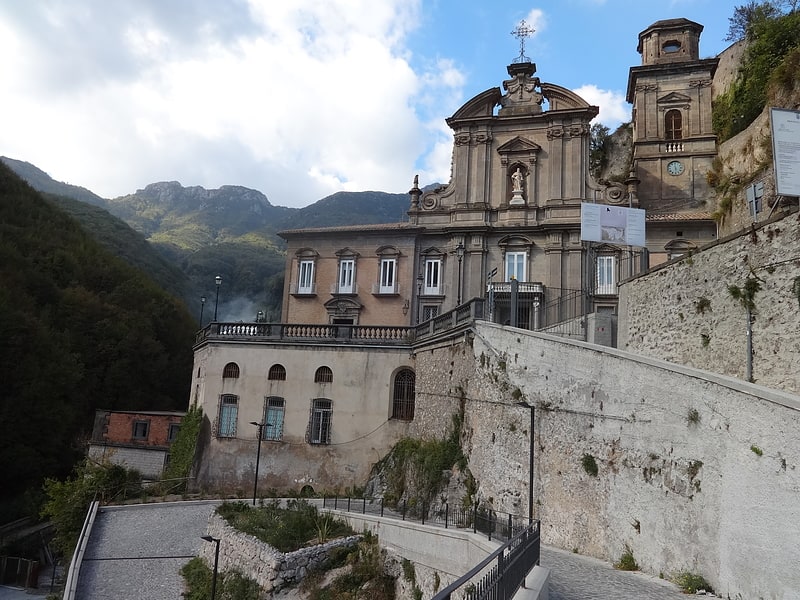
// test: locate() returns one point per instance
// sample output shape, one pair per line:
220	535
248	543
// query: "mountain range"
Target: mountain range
184	237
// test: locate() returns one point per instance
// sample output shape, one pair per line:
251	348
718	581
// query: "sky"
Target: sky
298	99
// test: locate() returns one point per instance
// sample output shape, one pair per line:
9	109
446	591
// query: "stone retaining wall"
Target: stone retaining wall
269	567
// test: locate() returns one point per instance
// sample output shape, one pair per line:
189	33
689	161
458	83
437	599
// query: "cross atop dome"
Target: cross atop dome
522	31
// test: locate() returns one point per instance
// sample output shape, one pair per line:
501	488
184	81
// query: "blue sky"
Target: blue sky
296	99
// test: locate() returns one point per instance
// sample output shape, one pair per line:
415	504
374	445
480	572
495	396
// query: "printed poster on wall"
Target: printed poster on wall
612	224
786	150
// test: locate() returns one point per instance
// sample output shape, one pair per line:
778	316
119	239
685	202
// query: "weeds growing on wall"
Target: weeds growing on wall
589	464
414	468
181	452
756	450
626	562
691	583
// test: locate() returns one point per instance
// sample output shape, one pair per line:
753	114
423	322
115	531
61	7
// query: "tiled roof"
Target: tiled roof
698	216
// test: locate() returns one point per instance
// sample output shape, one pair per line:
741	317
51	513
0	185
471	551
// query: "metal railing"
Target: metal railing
501	580
494	524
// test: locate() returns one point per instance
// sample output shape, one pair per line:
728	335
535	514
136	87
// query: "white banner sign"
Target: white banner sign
786	150
612	224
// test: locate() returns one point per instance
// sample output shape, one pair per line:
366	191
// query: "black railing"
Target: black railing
495	525
512	562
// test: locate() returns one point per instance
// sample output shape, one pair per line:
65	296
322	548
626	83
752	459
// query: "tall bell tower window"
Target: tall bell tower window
673	125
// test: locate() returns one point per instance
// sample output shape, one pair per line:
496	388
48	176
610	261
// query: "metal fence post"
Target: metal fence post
475	518
348	503
381	506
404	510
446	513
364	506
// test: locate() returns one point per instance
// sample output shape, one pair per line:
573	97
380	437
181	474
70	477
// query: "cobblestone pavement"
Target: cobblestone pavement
576	577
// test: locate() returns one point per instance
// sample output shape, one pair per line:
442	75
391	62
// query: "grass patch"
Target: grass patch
286	529
756	450
230	584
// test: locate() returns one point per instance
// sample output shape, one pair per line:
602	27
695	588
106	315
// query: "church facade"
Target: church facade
332	387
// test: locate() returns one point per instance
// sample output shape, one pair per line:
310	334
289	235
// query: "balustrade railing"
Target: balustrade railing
338	334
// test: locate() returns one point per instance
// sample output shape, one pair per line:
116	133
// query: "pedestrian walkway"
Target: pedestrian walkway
576	577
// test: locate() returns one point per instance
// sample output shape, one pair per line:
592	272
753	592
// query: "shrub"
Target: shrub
230	584
691	583
627	562
589	464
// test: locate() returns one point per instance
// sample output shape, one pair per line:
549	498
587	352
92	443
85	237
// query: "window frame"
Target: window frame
673	125
387	282
140	424
227	419
320	422
172	432
606	275
305	275
523	263
432	284
346	276
274	418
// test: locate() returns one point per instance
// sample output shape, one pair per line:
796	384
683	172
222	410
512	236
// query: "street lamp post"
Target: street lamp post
530	460
258	457
460	255
218	281
202	308
208	538
419	295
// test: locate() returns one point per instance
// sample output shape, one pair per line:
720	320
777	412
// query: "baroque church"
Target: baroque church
332	387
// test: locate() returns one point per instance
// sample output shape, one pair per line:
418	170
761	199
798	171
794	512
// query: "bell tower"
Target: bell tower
673	139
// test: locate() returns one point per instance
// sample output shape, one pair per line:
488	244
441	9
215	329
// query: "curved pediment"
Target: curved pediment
516	241
560	98
481	105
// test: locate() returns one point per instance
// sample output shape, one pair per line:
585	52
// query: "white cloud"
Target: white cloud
308	99
614	110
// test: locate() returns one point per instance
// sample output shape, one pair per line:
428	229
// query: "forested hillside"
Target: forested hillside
81	330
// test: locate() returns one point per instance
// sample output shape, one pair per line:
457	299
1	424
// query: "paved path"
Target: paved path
576	577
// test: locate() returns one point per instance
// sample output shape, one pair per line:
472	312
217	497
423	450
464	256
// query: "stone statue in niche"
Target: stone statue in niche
517	193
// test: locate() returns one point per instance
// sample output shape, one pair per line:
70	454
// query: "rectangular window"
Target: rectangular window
606	275
228	414
347	269
273	418
515	266
305	281
141	429
388	281
172	433
320	425
433	270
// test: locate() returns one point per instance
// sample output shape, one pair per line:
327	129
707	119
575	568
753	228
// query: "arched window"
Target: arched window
277	373
404	395
323	375
673	125
231	371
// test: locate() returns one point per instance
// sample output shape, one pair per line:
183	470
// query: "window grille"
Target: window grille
274	409
404	395
323	375
319	427
231	371
277	373
228	416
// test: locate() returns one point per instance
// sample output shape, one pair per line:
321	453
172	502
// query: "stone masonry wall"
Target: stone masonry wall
694	471
270	568
684	312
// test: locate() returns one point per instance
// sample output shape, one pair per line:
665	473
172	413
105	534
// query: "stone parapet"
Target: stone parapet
270	568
